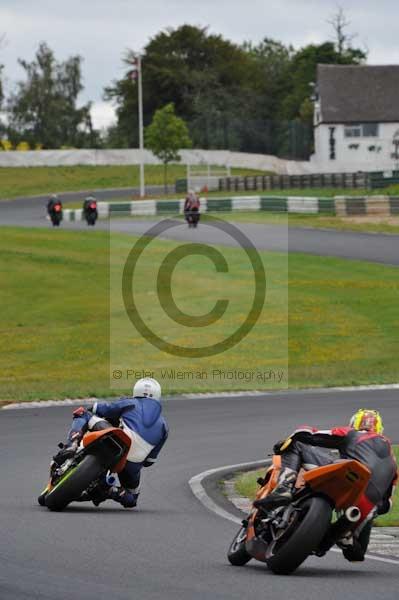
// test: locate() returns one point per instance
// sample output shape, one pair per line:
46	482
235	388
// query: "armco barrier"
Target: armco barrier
340	206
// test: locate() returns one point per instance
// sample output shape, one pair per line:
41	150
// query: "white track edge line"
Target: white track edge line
199	492
199	395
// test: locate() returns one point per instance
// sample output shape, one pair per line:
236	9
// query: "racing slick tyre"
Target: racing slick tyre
74	482
301	537
236	554
42	498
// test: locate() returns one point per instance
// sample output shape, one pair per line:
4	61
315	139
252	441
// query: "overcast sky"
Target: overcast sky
101	30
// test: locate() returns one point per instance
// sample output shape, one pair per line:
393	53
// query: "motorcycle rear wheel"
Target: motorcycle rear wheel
306	537
74	482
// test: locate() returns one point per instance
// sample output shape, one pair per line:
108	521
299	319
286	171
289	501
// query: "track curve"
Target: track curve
380	248
172	547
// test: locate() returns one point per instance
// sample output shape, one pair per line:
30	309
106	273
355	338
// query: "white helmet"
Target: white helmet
147	388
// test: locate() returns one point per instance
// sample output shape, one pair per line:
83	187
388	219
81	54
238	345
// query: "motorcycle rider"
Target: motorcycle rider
362	440
53	200
141	418
89	206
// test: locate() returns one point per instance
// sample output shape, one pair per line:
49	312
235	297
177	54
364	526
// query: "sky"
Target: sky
101	31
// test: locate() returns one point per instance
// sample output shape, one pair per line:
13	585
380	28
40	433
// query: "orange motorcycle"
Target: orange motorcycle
323	510
83	475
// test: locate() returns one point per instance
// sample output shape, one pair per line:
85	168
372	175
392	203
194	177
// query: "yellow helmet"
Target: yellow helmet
366	419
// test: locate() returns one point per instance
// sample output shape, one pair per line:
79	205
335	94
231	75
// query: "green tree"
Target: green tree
302	73
270	77
1	85
252	98
2	41
44	107
166	135
189	67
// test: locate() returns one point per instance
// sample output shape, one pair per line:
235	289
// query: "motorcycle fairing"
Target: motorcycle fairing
95	436
343	482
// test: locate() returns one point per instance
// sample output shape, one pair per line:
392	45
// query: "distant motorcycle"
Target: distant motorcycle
192	209
55	213
192	217
90	211
283	537
82	474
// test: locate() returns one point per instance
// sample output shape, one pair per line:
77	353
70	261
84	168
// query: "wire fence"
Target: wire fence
286	139
282	182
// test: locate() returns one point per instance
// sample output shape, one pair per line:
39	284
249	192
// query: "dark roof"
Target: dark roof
350	94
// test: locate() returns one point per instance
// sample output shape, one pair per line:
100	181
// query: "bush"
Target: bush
22	147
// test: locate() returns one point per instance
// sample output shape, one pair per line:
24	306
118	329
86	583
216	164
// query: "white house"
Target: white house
356	118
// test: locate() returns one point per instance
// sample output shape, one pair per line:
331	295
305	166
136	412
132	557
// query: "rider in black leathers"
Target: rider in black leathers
362	441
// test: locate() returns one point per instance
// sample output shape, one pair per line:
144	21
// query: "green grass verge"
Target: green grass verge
246	486
29	181
54	323
321	192
314	221
245	483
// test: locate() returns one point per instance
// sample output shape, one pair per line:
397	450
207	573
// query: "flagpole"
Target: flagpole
141	135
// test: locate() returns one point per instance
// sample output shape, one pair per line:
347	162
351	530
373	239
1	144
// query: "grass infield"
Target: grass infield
54	323
246	486
30	181
360	224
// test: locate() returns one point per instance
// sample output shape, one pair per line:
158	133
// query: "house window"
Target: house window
356	130
370	129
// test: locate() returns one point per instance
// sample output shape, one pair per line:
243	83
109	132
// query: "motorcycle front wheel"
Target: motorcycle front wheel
237	554
302	537
74	482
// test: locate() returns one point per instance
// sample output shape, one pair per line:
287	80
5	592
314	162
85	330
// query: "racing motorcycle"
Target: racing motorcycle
192	217
90	211
55	214
283	537
85	473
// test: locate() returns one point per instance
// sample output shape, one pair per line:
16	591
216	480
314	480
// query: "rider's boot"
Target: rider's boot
354	547
282	493
67	450
128	498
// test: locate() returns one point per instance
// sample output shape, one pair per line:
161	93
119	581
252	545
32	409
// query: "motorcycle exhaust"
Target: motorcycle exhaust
353	514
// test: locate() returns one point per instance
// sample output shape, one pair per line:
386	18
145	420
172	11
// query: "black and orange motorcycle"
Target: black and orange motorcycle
322	512
83	475
55	213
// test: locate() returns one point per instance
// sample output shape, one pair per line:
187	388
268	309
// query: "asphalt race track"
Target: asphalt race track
359	246
171	546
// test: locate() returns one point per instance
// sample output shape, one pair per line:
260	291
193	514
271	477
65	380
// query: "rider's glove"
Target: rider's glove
282	445
79	412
